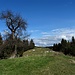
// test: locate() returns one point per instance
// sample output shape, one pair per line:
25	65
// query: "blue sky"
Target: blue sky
48	20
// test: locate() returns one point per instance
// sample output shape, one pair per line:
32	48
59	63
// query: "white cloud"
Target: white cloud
31	31
45	33
54	36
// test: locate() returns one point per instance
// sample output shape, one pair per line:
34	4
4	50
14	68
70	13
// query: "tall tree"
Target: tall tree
15	23
26	44
73	40
1	41
32	45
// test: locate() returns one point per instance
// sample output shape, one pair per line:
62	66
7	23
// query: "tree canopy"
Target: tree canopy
15	23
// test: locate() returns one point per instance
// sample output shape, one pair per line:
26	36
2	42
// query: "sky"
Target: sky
48	20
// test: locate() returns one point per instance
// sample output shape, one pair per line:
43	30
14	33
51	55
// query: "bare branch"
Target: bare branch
13	22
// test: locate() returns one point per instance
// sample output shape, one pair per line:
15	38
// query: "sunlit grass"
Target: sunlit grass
39	62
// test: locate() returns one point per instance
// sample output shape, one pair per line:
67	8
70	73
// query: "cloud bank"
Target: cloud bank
54	36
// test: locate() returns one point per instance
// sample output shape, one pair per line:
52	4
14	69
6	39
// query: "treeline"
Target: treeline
8	46
67	47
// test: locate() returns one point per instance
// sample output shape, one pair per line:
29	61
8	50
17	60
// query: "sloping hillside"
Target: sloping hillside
39	61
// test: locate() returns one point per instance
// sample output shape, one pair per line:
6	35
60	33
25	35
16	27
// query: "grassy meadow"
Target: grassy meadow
39	61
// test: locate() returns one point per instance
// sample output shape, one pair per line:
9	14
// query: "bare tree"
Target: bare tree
14	22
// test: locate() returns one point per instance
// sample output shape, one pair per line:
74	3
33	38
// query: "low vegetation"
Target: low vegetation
39	61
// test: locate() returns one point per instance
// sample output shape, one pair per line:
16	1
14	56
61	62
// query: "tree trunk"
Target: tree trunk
15	46
13	36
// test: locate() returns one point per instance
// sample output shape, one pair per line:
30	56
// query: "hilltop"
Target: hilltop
39	61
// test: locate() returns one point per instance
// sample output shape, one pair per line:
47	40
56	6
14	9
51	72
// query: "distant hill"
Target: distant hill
39	61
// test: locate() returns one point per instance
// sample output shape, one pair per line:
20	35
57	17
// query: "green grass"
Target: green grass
40	61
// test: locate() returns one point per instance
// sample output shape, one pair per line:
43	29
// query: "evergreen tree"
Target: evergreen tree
73	40
32	45
1	41
55	47
66	47
72	47
26	44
